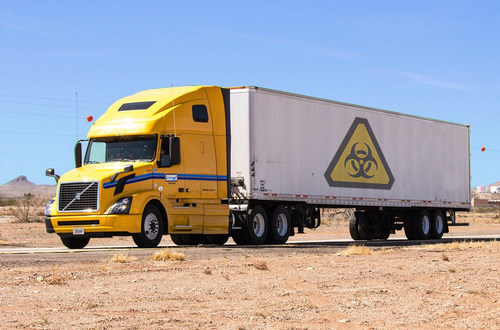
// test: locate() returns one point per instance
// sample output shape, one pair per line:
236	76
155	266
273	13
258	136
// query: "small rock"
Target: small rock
39	278
344	321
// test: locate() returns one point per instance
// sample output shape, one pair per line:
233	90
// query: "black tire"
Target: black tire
216	239
384	234
240	237
354	226
192	239
257	225
151	228
75	242
408	226
279	226
438	223
422	225
177	239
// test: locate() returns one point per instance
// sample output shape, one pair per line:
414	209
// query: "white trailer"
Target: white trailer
298	153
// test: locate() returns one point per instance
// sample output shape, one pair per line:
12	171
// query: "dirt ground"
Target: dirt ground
454	283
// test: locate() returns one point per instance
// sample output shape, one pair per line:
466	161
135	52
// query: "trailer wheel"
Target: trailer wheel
422	225
216	239
437	225
75	242
358	228
354	226
279	226
408	226
177	239
257	225
151	228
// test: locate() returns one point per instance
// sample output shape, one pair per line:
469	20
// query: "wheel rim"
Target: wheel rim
426	224
151	226
259	225
282	224
439	224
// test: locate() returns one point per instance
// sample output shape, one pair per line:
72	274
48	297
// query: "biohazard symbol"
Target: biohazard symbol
359	161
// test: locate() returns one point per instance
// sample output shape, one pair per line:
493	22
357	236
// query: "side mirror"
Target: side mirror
78	154
52	173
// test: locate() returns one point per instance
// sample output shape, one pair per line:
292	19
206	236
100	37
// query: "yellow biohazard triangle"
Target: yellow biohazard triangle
359	161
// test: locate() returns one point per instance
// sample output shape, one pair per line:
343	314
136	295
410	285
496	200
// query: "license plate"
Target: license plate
78	231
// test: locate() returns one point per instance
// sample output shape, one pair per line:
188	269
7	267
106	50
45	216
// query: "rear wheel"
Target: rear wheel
216	239
257	225
354	226
437	225
192	239
279	226
240	237
75	242
151	228
408	226
177	239
422	225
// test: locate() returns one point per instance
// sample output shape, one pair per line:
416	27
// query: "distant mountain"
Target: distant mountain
21	185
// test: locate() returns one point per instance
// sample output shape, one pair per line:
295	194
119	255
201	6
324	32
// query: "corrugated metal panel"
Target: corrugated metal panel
284	145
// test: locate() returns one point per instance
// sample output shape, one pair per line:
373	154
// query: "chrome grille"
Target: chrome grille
79	196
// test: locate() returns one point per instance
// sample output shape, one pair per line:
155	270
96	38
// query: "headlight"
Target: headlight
122	206
48	207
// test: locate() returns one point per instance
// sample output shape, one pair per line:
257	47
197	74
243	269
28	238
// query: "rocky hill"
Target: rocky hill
21	185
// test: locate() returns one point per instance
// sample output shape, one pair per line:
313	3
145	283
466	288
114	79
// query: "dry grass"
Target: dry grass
462	245
123	258
357	250
260	265
55	278
167	255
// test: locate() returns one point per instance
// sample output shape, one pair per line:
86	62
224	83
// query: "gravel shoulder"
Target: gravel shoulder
295	287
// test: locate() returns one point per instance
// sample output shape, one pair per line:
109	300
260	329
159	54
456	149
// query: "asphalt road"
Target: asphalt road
57	255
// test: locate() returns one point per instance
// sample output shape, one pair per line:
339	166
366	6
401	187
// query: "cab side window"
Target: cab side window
200	113
170	152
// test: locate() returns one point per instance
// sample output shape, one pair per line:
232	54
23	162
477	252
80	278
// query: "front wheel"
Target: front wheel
151	228
75	242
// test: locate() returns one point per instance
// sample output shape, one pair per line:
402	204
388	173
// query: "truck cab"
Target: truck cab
156	163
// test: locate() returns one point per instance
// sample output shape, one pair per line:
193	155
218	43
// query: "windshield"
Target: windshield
116	149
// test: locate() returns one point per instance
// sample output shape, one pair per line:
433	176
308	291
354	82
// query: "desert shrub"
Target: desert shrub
357	250
29	208
167	255
7	201
329	216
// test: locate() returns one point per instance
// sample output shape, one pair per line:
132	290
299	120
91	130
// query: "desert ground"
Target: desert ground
454	283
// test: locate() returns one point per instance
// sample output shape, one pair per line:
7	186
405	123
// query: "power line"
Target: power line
38	134
51	99
38	114
50	105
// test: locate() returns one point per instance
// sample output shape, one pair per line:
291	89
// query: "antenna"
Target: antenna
76	107
173	108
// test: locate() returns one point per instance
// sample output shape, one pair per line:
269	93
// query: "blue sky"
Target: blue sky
437	59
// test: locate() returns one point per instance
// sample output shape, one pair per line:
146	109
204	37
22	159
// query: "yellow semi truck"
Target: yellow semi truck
203	163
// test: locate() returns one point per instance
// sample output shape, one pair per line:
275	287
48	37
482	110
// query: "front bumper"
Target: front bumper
93	225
